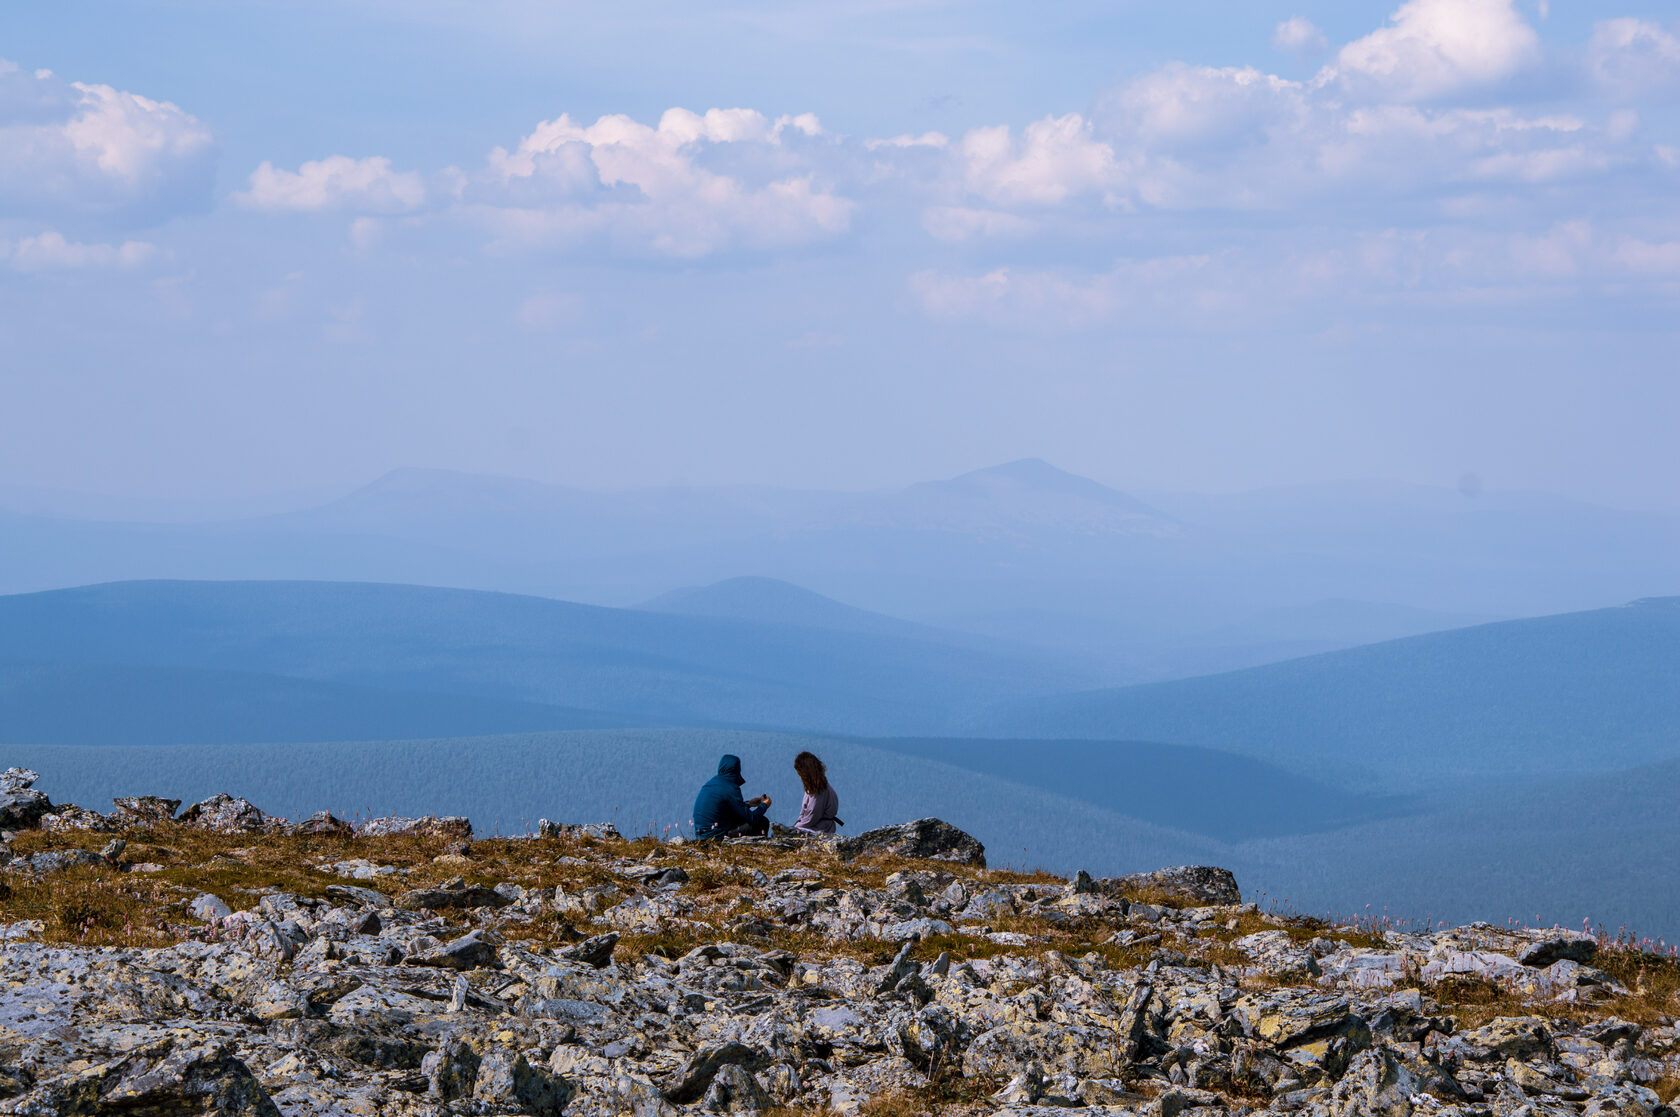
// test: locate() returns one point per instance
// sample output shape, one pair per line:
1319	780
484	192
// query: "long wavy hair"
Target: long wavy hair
811	772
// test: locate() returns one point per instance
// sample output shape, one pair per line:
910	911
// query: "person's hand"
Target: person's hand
765	799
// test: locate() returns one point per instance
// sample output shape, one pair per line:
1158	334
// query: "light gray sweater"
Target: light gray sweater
817	812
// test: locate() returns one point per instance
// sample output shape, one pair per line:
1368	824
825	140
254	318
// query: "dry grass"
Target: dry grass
101	906
92	907
1302	929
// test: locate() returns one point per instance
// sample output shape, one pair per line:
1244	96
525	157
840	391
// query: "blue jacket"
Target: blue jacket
719	806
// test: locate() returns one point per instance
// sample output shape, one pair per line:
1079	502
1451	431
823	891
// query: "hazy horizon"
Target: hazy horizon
266	248
177	505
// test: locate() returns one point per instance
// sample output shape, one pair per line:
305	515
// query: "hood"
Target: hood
730	768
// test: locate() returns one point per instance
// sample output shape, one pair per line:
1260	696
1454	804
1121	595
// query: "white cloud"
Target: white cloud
960	223
1045	299
1055	159
1265	277
647	189
337	182
70	151
50	251
1634	58
1648	258
641	189
1178	107
1440	48
548	310
937	140
1299	35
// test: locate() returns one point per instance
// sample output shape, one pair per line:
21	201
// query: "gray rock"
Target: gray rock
1569	946
18	779
206	1078
55	860
452	827
903	965
596	951
452	895
208	908
323	822
225	814
734	1091
144	810
1626	1100
506	1080
925	838
1375	1084
691	1082
469	952
1190	885
1508	1037
68	817
451	1071
363	897
915	929
21	806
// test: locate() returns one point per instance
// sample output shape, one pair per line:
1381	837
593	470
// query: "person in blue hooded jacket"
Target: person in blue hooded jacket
719	810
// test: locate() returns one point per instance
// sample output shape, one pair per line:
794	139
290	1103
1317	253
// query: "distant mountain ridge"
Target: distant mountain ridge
772	601
1578	692
648	668
1022	552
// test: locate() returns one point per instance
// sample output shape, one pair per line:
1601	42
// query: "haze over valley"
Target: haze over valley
1228	435
1292	683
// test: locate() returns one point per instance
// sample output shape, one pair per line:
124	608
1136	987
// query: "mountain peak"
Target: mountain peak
1039	476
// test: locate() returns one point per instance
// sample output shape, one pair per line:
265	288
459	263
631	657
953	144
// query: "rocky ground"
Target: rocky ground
155	961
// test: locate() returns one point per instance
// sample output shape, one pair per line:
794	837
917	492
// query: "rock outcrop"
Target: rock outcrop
928	839
233	963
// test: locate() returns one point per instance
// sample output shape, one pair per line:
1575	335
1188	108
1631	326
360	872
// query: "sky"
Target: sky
258	247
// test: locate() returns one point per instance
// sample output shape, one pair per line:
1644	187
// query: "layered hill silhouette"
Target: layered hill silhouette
1579	692
1146	587
133	704
591	665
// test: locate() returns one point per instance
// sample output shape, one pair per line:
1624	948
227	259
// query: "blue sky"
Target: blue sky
249	247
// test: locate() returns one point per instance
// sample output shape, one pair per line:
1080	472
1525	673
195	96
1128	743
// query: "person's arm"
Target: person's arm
735	808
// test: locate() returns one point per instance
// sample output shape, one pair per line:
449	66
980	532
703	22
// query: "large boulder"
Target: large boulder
224	814
452	893
68	817
452	827
324	822
927	838
1555	946
1187	885
202	1079
21	806
144	810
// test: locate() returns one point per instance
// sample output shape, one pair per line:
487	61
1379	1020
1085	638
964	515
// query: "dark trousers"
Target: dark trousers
755	827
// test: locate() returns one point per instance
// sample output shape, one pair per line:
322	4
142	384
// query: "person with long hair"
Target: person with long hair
818	813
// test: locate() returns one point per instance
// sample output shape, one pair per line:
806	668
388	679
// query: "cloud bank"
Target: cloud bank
74	152
1449	153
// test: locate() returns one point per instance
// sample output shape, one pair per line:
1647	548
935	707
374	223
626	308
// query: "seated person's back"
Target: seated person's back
719	810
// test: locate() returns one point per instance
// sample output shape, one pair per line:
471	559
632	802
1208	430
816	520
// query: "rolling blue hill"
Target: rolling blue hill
773	601
128	704
1579	692
647	668
1021	551
1216	794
